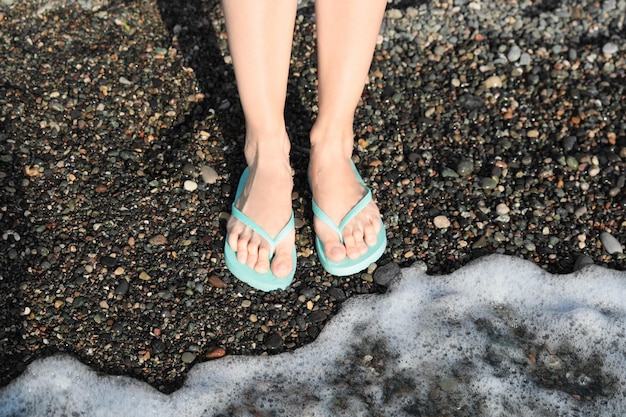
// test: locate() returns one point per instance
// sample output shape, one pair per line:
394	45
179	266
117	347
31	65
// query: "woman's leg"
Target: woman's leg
260	34
346	36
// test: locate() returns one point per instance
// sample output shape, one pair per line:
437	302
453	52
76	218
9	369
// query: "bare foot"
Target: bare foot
266	200
336	190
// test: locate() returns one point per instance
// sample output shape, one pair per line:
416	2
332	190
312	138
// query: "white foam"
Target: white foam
470	343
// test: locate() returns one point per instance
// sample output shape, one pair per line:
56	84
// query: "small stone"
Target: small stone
502	209
582	261
514	53
493	82
118	271
609	48
572	162
488	183
143	275
533	133
387	274
611	245
158	240
188	357
274	341
215	352
594	170
525	59
209	175
246	303
217	282
122	288
465	167
337	293
394	14
190	185
441	222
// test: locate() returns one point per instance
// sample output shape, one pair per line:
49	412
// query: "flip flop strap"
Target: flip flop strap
239	215
367	198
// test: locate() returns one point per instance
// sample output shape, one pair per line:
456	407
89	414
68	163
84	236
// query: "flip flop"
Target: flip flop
267	281
350	266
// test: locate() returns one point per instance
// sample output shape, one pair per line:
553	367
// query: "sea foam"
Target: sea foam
499	337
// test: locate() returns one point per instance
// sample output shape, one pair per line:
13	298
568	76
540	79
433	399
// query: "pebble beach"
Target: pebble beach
485	128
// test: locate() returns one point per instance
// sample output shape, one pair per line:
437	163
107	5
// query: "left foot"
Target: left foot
336	190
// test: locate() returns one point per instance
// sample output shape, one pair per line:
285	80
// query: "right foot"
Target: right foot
266	199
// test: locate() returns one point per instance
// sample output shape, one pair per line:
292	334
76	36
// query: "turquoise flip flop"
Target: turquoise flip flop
350	266
267	281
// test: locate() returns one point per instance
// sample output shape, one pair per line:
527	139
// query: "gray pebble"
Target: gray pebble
122	288
386	274
465	167
582	261
514	53
609	48
611	245
188	357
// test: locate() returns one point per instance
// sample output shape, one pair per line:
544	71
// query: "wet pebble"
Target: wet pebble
387	274
188	357
217	282
610	244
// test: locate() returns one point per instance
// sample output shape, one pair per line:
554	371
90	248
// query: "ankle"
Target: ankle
331	142
267	149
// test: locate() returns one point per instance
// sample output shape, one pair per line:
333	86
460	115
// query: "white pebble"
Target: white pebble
609	48
502	209
441	222
611	245
209	175
190	185
493	82
394	14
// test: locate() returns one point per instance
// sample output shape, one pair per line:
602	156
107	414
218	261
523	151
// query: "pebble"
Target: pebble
609	48
215	352
209	175
611	245
441	222
217	282
502	209
386	274
158	240
582	261
143	275
190	185
493	82
188	357
122	287
514	53
465	167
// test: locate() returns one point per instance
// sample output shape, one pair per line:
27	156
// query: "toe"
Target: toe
359	241
334	250
282	263
370	233
263	258
253	250
351	245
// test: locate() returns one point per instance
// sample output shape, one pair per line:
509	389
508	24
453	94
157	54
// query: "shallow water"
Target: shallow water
498	337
